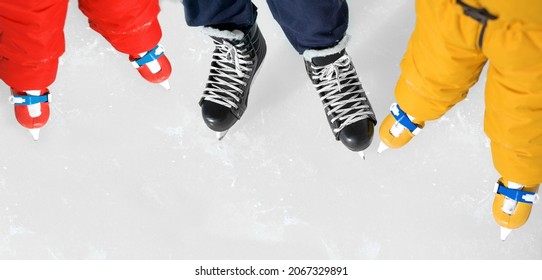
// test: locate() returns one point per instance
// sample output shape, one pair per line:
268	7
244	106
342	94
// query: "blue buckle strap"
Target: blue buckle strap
151	55
20	100
402	118
517	195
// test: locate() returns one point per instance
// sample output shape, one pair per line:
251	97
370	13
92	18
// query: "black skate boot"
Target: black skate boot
236	59
347	108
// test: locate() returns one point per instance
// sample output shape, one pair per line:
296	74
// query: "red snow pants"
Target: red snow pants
32	37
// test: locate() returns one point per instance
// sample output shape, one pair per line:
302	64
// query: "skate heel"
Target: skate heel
397	129
153	66
31	109
512	205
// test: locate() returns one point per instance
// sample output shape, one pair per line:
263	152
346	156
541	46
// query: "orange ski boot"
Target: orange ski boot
397	129
512	205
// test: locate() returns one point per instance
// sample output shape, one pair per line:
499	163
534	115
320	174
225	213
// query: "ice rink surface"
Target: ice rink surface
127	170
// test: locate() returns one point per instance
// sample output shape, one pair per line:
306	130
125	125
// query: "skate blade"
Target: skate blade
165	84
362	155
382	147
35	132
221	134
504	233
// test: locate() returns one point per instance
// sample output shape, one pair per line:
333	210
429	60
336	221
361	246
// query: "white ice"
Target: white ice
128	170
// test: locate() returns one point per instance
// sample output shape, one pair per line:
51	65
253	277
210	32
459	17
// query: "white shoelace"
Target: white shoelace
230	66
330	80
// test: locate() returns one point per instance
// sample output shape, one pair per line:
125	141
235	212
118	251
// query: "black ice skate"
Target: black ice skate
236	59
347	108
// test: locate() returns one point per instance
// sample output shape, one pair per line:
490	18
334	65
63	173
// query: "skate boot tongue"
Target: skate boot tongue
326	60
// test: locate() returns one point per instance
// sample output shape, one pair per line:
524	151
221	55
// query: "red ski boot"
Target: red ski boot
153	66
31	109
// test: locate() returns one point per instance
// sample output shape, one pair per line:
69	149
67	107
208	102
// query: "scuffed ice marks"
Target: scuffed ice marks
237	146
19	230
85	49
174	132
377	13
10	233
370	249
255	226
464	128
96	254
241	222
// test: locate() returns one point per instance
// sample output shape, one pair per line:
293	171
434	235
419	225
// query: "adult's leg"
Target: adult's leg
239	51
317	30
310	24
223	14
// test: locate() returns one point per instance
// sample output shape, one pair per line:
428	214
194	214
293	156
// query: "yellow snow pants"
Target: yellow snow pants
445	56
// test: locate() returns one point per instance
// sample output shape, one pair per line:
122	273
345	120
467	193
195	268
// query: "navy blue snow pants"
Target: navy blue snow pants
308	24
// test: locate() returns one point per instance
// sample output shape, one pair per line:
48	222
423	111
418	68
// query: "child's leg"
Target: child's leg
317	30
132	27
513	115
441	63
31	41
